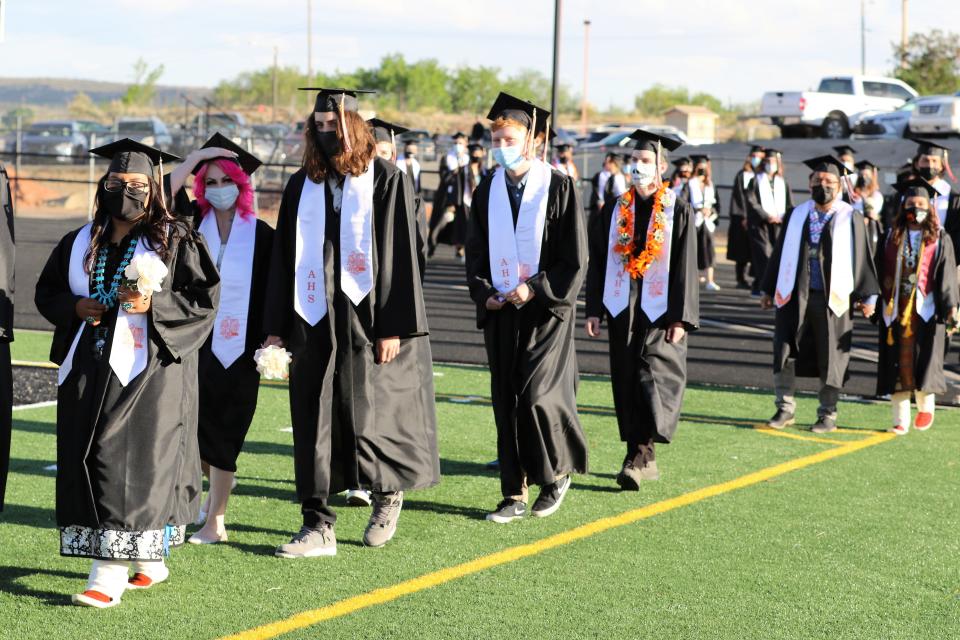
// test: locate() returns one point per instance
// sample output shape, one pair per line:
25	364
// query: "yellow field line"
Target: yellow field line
764	429
32	363
512	554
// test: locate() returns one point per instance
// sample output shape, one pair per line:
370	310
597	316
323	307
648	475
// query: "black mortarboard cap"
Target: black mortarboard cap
700	157
917	187
930	148
130	156
679	162
473	146
459	134
247	161
523	111
756	148
647	141
865	164
827	164
845	149
329	100
770	152
384	131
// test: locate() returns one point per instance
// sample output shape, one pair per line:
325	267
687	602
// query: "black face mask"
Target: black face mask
476	159
822	195
928	173
701	172
410	154
121	205
328	143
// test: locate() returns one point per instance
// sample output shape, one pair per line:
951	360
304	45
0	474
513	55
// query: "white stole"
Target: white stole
356	236
310	291
702	198
747	177
772	199
927	305
236	275
515	253
841	258
129	347
415	165
942	201
656	281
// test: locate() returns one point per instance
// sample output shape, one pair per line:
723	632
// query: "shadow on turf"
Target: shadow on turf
10	576
33	426
465	468
29	516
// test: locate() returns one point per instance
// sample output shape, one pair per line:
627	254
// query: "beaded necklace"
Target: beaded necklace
105	296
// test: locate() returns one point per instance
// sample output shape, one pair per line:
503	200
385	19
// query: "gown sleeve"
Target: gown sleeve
557	287
7	260
279	299
53	297
598	239
184	311
477	253
946	276
769	282
684	298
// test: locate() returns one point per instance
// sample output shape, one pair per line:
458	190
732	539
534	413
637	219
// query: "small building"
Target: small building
698	123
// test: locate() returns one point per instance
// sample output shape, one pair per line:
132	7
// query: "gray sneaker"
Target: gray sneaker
383	521
310	543
631	476
824	424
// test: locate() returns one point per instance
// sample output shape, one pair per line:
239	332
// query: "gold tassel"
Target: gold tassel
890	336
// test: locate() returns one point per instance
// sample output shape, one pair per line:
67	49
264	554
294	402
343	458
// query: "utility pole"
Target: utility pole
904	10
863	38
556	62
586	75
309	48
273	115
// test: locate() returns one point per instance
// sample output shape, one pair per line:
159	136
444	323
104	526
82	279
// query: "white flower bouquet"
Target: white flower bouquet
273	363
145	273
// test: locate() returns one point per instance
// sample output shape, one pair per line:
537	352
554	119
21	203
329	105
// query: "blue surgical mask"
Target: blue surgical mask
509	157
755	161
222	198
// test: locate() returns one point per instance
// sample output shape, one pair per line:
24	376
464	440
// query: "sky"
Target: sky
732	49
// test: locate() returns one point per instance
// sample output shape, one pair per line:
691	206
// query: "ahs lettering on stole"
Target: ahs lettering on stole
311	287
505	272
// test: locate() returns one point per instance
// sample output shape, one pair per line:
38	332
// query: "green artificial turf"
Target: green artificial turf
31	346
860	546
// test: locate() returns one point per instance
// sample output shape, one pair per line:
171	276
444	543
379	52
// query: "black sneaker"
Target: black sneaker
507	511
781	419
550	498
824	424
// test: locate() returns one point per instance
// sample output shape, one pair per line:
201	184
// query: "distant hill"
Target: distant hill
58	92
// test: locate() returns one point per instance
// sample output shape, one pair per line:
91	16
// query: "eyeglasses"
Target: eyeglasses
132	188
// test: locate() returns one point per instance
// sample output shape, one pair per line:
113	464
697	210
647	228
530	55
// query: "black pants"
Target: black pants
6	415
317	511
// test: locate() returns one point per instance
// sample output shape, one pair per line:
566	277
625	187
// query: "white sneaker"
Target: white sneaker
712	286
359	498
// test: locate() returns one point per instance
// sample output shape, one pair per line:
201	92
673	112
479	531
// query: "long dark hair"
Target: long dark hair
930	226
354	163
153	228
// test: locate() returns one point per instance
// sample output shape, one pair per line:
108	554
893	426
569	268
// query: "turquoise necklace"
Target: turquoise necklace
103	295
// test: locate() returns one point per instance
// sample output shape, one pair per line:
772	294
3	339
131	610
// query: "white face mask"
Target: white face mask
643	174
771	166
222	198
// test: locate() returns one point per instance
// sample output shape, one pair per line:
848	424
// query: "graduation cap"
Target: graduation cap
700	157
130	156
770	152
473	146
930	148
247	161
865	164
845	150
647	141
510	107
333	100
679	162
458	135
756	148
917	187
827	164
562	146
384	131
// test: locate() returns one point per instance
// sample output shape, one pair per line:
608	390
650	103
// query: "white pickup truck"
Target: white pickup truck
831	110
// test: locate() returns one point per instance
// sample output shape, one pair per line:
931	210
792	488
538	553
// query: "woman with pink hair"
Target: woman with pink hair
224	215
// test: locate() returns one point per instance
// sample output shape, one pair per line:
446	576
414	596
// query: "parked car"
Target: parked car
937	115
291	149
267	141
888	124
230	124
426	147
828	110
149	131
618	139
62	140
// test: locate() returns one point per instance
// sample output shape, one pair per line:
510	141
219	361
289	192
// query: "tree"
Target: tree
25	114
658	98
473	90
930	62
83	107
144	85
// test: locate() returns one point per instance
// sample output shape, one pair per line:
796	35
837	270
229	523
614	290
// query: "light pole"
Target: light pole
586	75
556	61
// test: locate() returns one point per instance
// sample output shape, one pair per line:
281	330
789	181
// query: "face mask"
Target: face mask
476	159
460	148
643	174
222	198
866	180
928	173
701	172
849	166
755	161
509	157
916	215
823	195
410	154
121	205
771	167
328	143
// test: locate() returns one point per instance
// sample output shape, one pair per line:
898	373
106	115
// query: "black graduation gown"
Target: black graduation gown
791	338
533	363
930	337
228	397
706	248
450	194
738	242
762	234
952	227
7	264
649	375
127	457
357	424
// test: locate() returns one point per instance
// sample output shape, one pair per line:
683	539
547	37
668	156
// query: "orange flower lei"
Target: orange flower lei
637	265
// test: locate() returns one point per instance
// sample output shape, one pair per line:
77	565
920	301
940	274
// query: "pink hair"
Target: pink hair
235	173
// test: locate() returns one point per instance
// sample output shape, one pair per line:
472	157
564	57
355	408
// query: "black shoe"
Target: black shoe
507	511
781	419
493	465
824	425
743	284
550	498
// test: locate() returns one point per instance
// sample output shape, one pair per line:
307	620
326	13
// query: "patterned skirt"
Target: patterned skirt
113	544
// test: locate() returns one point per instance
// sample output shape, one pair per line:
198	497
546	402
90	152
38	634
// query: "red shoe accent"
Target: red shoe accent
924	421
140	580
899	429
96	595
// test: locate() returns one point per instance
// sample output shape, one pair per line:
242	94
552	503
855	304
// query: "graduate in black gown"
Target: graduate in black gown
917	309
738	242
820	274
223	213
450	220
768	201
7	263
128	465
649	310
345	297
525	262
607	184
701	194
932	163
